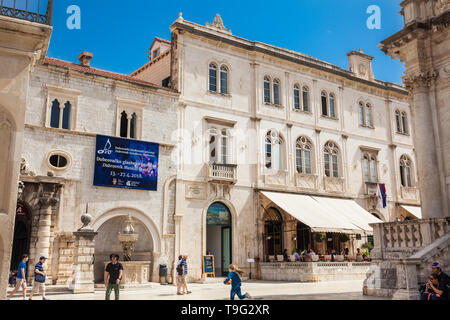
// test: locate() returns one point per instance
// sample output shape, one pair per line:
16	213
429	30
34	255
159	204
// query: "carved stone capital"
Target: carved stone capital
419	80
48	200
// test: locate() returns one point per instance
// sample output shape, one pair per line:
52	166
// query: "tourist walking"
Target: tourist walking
184	277
39	279
21	280
180	273
113	276
234	277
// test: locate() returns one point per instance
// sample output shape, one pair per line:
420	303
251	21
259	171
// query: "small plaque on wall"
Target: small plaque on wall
196	191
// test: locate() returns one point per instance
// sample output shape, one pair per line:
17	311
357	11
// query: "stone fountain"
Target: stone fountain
134	272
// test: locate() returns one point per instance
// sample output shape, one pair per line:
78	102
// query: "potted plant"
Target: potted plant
318	237
367	246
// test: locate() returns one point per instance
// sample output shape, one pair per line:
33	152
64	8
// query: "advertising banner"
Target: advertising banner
124	163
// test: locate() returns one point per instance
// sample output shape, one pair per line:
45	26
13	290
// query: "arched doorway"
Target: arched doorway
22	235
273	233
219	236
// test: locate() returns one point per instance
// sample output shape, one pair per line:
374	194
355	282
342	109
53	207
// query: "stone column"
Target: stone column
424	140
83	277
47	201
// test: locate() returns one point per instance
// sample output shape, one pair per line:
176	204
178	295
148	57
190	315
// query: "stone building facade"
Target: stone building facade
57	169
404	251
235	95
23	45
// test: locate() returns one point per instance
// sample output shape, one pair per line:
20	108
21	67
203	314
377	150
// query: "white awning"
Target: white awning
415	211
324	214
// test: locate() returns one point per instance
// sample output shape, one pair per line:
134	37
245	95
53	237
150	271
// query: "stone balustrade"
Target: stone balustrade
222	172
399	240
313	271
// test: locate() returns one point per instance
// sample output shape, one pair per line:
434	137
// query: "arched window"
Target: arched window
213	77
397	121
406	171
404	122
54	119
368	115
124	125
66	116
303	155
324	103
266	89
133	126
276	92
331	152
273	232
223	79
332	106
361	114
274	151
370	168
224	147
296	97
213	136
305	91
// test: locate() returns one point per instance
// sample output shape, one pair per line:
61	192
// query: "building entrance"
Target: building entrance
22	234
219	237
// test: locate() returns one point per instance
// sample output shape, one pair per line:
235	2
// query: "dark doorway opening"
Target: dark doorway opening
22	235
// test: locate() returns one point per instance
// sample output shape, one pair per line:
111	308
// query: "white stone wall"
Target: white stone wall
96	114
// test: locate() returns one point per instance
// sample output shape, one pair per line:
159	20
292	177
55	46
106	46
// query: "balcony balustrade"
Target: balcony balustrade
222	173
39	11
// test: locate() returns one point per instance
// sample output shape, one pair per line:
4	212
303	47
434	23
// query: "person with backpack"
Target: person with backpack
180	273
20	279
39	279
234	278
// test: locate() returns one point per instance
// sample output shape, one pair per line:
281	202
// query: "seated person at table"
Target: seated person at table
359	254
296	255
434	290
333	254
285	255
345	252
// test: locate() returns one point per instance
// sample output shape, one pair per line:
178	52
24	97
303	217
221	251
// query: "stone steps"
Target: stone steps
49	290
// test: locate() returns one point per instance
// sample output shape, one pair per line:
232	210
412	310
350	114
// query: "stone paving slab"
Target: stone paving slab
260	290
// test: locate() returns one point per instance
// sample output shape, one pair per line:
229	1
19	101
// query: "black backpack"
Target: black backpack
180	269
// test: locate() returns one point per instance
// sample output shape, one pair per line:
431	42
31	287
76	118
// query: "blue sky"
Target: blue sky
119	33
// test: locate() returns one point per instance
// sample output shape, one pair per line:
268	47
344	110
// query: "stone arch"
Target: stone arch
135	213
165	219
234	228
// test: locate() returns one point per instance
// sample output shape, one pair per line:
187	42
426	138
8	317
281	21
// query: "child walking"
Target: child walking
235	277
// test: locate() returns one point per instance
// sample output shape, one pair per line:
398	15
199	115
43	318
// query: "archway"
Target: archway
107	242
273	233
219	236
22	235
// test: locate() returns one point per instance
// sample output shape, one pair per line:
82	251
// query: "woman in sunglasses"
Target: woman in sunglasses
434	290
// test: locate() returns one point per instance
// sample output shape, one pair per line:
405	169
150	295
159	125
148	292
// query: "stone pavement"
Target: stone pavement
260	290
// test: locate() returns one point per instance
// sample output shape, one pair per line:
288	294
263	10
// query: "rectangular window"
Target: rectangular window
296	99
332	107
366	170
299	160
308	161
335	166
373	170
213	79
327	164
266	92
408	176
324	106
276	94
305	101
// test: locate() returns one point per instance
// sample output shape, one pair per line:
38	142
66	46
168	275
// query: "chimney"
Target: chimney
360	64
85	59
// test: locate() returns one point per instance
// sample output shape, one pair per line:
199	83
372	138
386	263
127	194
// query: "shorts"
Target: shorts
21	283
38	286
181	279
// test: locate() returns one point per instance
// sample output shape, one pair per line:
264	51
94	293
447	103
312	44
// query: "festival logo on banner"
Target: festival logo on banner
124	163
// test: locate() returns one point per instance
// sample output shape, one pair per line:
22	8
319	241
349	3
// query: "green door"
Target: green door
226	249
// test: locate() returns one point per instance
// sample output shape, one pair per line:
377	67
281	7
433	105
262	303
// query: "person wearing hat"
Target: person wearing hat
113	276
441	276
39	279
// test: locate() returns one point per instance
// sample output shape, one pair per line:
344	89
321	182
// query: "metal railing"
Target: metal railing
39	11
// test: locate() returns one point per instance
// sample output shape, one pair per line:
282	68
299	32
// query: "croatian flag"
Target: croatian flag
381	195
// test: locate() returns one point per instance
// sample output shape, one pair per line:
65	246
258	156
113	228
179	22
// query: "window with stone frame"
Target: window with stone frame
61	108
406	171
212	77
301	98
303	155
365	114
331	160
329	104
218	78
370	167
129	119
401	121
219	146
272	91
274	151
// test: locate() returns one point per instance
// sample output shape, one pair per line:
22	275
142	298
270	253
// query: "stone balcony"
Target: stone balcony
39	11
223	173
